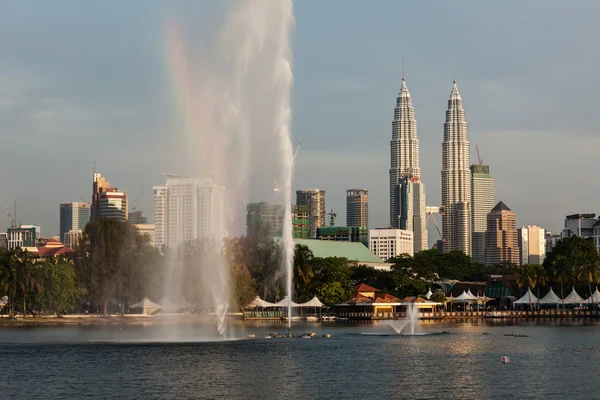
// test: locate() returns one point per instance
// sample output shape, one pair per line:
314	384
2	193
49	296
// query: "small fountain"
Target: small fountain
411	321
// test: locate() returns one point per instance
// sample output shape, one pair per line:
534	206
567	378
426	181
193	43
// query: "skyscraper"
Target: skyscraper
73	217
407	192
186	209
107	202
314	199
357	208
456	178
501	239
532	244
482	202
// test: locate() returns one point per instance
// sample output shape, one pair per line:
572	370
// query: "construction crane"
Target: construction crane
275	184
136	202
332	216
479	160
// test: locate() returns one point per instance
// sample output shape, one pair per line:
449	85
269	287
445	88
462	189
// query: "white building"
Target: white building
597	235
186	209
456	178
581	225
483	199
407	192
388	243
532	245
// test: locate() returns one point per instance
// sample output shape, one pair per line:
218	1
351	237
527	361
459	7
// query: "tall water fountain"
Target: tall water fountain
233	98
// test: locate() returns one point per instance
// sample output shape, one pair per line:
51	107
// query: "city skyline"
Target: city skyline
93	107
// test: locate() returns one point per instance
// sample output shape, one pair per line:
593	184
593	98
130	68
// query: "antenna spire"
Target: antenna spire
454	71
403	68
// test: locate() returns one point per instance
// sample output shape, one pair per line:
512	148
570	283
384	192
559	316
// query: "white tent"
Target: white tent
147	306
551	298
429	294
469	293
175	303
595	296
527	298
573	298
463	298
284	303
258	302
314	302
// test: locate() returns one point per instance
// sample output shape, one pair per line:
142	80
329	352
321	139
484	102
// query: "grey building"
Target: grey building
483	199
74	216
314	199
357	208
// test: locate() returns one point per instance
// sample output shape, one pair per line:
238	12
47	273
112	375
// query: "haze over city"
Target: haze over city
89	83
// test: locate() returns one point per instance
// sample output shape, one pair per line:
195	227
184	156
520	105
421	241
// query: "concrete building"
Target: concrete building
581	225
74	236
410	200
271	216
456	178
532	245
107	201
74	216
501	239
137	217
596	231
3	240
187	209
483	199
388	243
407	192
23	236
146	229
357	208
314	199
344	234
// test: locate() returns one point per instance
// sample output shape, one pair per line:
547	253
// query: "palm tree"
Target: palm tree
590	270
303	271
26	275
527	277
8	281
541	279
563	273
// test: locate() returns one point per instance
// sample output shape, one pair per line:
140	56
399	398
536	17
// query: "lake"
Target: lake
555	360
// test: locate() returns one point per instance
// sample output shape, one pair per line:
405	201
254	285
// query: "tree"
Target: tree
562	272
589	270
527	277
438	297
303	272
61	289
9	278
331	280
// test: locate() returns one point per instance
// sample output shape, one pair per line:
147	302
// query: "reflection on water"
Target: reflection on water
68	362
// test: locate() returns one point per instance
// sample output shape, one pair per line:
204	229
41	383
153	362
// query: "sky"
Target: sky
90	82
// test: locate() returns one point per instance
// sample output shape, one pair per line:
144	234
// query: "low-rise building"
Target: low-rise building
344	234
387	243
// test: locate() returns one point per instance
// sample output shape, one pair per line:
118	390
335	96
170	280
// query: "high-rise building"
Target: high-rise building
314	199
501	238
357	208
407	192
410	202
137	217
73	216
581	225
388	243
160	215
532	245
483	199
456	178
107	202
270	218
344	234
186	209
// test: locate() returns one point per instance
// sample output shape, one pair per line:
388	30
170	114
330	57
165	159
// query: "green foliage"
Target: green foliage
61	289
438	297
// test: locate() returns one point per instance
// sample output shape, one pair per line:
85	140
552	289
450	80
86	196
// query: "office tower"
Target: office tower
187	209
410	200
581	225
314	199
501	238
456	178
388	243
407	192
107	202
357	208
532	245
482	201
73	217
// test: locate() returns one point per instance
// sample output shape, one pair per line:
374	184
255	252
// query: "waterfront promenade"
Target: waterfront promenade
441	315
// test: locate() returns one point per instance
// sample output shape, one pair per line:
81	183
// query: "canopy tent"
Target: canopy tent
595	297
483	299
469	293
463	298
181	302
284	303
147	306
429	294
314	302
527	298
258	302
551	298
573	298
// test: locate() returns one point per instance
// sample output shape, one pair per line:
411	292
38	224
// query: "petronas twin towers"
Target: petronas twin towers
407	192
